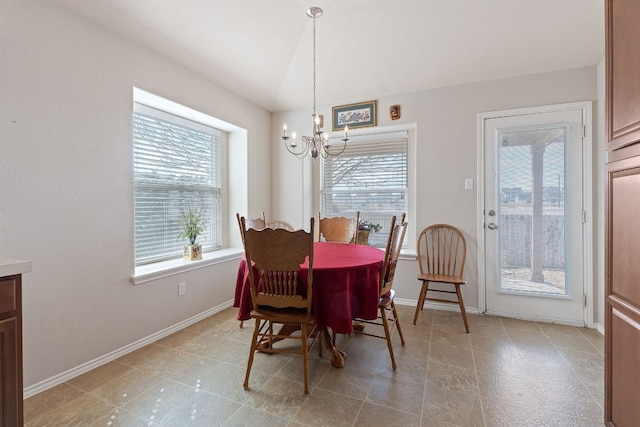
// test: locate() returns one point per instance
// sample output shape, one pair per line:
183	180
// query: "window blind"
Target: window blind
176	167
370	176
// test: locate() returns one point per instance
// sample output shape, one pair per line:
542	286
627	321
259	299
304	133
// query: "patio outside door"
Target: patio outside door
533	215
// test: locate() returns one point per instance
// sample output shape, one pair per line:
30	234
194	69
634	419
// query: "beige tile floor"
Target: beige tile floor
506	372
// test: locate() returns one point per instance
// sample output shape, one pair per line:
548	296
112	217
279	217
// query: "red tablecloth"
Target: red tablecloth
346	280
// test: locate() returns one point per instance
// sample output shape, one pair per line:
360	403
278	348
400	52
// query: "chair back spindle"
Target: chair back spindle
392	254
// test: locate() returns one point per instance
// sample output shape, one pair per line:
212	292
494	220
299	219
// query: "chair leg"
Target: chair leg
387	334
423	294
462	309
333	337
271	342
305	357
254	344
397	320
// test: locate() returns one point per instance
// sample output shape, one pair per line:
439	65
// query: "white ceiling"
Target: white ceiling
262	49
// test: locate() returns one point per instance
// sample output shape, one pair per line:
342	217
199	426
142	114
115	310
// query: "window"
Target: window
176	166
370	177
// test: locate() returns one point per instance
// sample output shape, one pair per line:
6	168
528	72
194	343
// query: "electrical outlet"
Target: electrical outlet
182	288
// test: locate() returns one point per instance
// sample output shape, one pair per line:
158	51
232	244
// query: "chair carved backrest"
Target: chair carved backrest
257	223
442	250
276	223
277	255
338	229
392	254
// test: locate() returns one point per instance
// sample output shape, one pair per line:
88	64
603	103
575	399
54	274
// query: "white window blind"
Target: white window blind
176	167
370	177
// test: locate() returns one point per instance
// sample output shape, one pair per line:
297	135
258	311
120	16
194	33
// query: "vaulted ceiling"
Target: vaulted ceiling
262	49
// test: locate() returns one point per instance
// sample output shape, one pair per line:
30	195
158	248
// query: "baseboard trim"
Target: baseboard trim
99	361
435	305
567	322
474	310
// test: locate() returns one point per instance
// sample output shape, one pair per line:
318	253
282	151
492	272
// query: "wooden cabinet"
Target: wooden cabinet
622	305
11	351
622	214
622	70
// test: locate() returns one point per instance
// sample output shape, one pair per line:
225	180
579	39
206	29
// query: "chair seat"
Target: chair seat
442	278
386	299
293	315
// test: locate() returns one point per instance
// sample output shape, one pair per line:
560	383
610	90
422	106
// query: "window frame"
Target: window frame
382	135
162	109
234	181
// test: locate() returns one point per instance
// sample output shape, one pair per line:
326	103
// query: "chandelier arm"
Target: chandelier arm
344	146
299	154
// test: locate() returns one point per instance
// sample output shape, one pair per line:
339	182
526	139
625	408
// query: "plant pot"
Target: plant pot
363	237
192	252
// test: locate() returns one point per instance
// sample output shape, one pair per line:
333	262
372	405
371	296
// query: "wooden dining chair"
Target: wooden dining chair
388	315
338	229
442	251
277	254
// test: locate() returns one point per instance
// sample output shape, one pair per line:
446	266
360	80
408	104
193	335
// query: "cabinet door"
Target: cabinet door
623	69
622	303
11	389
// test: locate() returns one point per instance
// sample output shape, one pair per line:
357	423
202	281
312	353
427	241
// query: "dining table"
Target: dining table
346	286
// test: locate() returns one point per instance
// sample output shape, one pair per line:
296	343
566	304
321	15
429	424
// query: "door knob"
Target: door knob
492	226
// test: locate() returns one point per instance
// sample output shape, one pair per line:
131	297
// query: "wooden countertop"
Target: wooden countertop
9	267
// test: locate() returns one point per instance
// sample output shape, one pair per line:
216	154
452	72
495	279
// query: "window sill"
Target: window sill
408	254
159	270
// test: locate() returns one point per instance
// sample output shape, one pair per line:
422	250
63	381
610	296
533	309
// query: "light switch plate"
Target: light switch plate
468	183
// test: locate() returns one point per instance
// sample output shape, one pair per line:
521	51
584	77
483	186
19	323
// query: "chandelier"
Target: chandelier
318	143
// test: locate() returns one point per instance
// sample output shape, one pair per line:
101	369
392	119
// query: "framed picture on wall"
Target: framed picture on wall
394	112
362	114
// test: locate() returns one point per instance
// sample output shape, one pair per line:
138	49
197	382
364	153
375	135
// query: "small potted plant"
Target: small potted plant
364	228
193	225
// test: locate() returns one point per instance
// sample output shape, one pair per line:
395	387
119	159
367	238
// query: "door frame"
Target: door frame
587	198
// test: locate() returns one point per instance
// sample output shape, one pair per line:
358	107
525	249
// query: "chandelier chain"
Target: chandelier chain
314	66
318	143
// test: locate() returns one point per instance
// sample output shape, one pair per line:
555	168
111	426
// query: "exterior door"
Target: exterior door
533	215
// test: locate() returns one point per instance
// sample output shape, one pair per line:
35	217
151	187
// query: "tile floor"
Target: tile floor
506	372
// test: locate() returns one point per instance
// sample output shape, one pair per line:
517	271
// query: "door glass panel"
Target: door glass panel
531	168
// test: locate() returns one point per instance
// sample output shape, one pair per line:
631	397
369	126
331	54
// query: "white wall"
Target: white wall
66	186
446	150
